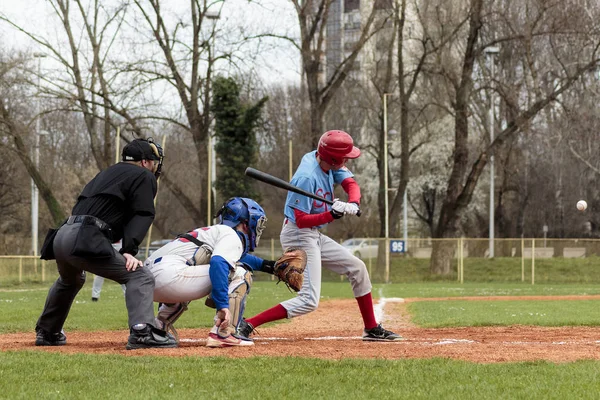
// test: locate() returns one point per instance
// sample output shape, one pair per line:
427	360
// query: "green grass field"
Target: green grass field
35	374
39	375
22	305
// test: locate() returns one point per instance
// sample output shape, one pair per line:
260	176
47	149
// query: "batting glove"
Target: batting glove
338	208
351	209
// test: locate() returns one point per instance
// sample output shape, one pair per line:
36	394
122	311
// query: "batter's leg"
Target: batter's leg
309	240
338	259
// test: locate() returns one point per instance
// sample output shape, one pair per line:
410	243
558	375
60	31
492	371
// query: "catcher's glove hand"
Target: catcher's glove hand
289	268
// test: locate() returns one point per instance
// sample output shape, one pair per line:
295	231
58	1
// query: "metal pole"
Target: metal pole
209	183
491	52
290	161
118	145
385	183
213	140
522	259
34	195
532	261
34	188
405	219
492	159
211	175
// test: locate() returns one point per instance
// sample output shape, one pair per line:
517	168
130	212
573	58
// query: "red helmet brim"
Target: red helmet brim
354	153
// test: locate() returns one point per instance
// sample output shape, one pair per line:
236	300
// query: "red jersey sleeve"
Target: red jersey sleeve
351	187
304	220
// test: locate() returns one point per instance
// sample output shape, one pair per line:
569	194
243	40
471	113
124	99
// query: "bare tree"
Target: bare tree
556	81
12	111
185	51
312	18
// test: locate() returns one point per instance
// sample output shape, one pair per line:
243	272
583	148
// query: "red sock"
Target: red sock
365	304
272	314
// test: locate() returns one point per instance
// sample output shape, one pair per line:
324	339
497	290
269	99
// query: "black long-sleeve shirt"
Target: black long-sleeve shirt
123	197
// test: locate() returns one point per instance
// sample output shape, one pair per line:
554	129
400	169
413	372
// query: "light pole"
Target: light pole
385	185
36	160
405	219
491	52
290	159
212	159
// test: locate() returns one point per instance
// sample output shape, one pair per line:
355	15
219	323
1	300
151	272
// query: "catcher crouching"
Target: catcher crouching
212	262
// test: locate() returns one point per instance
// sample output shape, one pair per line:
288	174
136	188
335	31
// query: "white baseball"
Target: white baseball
581	205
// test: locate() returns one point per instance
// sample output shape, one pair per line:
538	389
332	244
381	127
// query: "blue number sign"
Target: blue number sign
396	246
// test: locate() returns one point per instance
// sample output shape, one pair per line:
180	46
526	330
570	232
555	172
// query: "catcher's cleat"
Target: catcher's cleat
214	340
149	337
244	330
167	328
378	334
43	338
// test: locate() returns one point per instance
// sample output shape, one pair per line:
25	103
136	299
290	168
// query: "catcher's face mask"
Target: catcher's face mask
261	224
158	156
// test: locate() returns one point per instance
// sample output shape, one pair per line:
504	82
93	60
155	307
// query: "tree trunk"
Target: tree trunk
55	208
455	195
316	123
442	257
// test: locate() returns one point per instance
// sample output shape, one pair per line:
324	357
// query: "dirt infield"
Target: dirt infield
333	332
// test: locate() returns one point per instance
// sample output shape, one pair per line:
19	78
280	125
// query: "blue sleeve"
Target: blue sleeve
341	174
252	261
219	278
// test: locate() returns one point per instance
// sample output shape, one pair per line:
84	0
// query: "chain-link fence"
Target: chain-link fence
526	260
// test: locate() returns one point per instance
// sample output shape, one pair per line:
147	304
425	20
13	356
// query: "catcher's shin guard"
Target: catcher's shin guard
239	287
168	313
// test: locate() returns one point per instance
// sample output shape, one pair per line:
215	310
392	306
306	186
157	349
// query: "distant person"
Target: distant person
317	173
117	204
99	281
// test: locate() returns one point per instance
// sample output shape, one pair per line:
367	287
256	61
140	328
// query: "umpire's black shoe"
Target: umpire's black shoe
378	334
43	338
244	330
149	337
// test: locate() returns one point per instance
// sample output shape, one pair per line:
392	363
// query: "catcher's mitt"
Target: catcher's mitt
289	268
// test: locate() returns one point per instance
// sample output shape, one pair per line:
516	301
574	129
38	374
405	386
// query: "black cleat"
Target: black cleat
378	334
244	330
149	337
43	338
94	299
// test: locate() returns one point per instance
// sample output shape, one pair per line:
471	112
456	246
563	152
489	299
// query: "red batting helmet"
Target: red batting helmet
335	147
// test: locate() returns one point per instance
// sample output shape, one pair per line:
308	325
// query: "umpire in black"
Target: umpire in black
117	204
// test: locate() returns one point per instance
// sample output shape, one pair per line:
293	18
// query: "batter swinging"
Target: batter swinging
318	172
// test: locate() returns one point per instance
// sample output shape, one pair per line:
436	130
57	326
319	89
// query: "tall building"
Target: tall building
344	27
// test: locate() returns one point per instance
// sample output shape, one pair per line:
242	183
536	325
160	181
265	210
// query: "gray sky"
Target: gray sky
278	61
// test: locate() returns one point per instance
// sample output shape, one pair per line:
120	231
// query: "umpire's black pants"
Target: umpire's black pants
139	283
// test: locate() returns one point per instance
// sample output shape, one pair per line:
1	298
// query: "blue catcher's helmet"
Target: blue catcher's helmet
241	209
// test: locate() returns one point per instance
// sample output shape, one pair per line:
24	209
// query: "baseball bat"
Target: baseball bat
280	183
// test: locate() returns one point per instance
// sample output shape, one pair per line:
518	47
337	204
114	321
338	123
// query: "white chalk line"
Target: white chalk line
378	309
417	341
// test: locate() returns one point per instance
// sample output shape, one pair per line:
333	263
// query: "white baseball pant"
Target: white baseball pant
321	251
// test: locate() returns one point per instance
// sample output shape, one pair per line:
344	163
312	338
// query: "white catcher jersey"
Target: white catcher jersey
223	240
